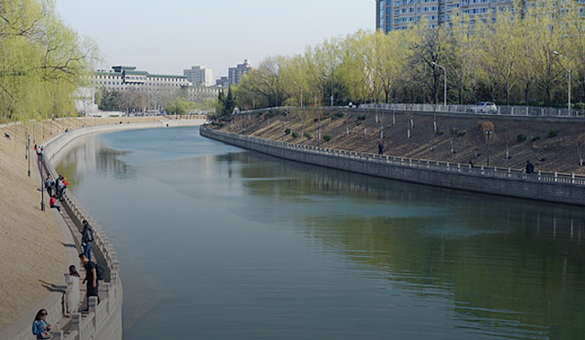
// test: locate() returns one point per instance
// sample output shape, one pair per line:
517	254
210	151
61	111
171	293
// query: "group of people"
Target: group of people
55	190
41	328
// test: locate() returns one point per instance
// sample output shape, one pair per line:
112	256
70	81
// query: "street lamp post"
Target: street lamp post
52	119
28	151
488	133
40	155
331	97
569	81
445	87
301	86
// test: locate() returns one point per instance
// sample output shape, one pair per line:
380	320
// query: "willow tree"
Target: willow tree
42	61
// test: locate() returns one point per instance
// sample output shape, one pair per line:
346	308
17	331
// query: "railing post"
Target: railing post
76	324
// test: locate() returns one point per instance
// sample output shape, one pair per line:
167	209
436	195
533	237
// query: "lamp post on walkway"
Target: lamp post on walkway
445	86
488	133
301	86
28	151
330	98
569	81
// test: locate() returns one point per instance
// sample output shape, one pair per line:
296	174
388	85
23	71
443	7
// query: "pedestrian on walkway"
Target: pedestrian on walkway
49	184
72	293
380	148
87	239
90	280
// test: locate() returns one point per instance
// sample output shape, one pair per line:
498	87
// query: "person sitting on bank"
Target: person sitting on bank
529	167
53	204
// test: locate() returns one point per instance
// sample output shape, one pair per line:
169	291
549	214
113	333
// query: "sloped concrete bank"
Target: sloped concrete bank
552	187
104	320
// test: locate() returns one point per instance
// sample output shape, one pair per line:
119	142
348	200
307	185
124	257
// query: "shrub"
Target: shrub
295	134
309	135
520	138
339	115
553	133
439	132
534	138
358	123
286	131
361	117
315	120
327	138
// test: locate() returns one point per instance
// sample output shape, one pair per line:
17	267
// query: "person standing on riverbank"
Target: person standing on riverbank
87	239
529	167
91	279
380	148
41	327
72	293
49	184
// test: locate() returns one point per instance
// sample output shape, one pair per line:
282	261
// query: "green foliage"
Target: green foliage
439	132
181	106
361	117
287	131
327	138
457	132
42	61
520	138
309	135
295	134
534	138
553	133
509	61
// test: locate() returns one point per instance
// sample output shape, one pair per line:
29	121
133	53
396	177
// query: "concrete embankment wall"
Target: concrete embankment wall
553	187
104	320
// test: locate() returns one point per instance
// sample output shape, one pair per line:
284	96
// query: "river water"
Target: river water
216	242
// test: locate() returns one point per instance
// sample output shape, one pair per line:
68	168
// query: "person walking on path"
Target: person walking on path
49	184
53	204
87	239
72	293
380	148
91	279
40	327
529	167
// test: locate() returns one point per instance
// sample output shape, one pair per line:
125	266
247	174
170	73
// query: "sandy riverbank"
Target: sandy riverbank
33	256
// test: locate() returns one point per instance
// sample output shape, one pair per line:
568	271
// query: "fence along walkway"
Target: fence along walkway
502	110
545	182
92	325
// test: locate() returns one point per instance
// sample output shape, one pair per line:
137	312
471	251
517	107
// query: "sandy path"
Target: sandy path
32	254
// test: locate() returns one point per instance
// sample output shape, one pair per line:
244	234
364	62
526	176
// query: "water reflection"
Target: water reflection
93	155
507	264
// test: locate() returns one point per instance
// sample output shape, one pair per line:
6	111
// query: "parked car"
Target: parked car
484	107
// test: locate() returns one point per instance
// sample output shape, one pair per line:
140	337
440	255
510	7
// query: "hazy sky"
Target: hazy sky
167	36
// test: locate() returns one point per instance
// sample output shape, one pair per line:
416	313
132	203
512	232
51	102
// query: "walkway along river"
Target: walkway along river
553	187
216	242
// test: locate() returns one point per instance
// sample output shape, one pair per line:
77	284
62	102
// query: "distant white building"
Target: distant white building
126	77
199	76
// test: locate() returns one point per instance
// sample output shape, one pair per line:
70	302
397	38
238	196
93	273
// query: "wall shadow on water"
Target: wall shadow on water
507	264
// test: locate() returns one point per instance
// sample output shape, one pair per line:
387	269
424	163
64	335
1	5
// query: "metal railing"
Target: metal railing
501	110
438	166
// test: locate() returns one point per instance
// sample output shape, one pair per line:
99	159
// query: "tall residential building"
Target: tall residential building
400	14
236	73
199	76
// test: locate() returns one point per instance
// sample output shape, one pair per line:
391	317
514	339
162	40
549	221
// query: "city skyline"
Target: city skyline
172	36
